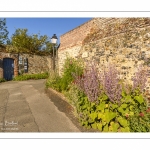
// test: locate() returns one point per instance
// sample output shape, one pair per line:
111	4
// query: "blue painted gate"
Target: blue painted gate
8	68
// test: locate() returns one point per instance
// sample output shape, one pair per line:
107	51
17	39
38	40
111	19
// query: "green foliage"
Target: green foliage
31	76
129	114
62	84
3	32
22	42
122	121
138	113
71	68
72	94
2	80
107	116
139	99
54	81
114	127
140	123
98	116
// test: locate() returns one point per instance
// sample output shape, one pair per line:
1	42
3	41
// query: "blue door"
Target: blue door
8	68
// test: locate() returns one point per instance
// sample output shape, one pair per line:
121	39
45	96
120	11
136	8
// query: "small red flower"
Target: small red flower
141	114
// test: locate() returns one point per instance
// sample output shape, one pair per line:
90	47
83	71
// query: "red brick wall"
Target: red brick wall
76	36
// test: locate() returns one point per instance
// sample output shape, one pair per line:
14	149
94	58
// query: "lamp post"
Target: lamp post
54	41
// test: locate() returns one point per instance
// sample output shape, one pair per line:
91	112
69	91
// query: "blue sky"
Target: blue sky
44	26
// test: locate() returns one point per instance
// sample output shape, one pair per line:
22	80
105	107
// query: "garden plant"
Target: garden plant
31	76
102	100
2	80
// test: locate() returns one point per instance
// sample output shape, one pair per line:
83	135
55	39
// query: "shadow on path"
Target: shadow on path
66	108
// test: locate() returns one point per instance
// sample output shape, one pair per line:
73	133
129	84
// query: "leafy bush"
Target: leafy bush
71	67
140	123
108	116
3	32
72	94
104	101
54	81
31	76
22	42
115	108
2	80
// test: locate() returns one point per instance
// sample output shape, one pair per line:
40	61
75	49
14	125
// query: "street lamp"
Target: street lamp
54	41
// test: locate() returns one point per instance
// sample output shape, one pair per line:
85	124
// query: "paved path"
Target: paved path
24	107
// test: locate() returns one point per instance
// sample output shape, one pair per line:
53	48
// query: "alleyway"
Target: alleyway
24	107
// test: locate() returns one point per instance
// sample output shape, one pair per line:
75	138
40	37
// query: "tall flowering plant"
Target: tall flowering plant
89	82
140	79
112	87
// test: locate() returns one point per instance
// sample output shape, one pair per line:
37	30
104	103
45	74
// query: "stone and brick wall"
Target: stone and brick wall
124	42
71	42
36	64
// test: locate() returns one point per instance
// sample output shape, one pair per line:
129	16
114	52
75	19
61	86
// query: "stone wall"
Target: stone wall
71	52
36	64
124	42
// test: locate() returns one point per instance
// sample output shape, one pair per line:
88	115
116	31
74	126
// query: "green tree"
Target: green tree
22	42
3	32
